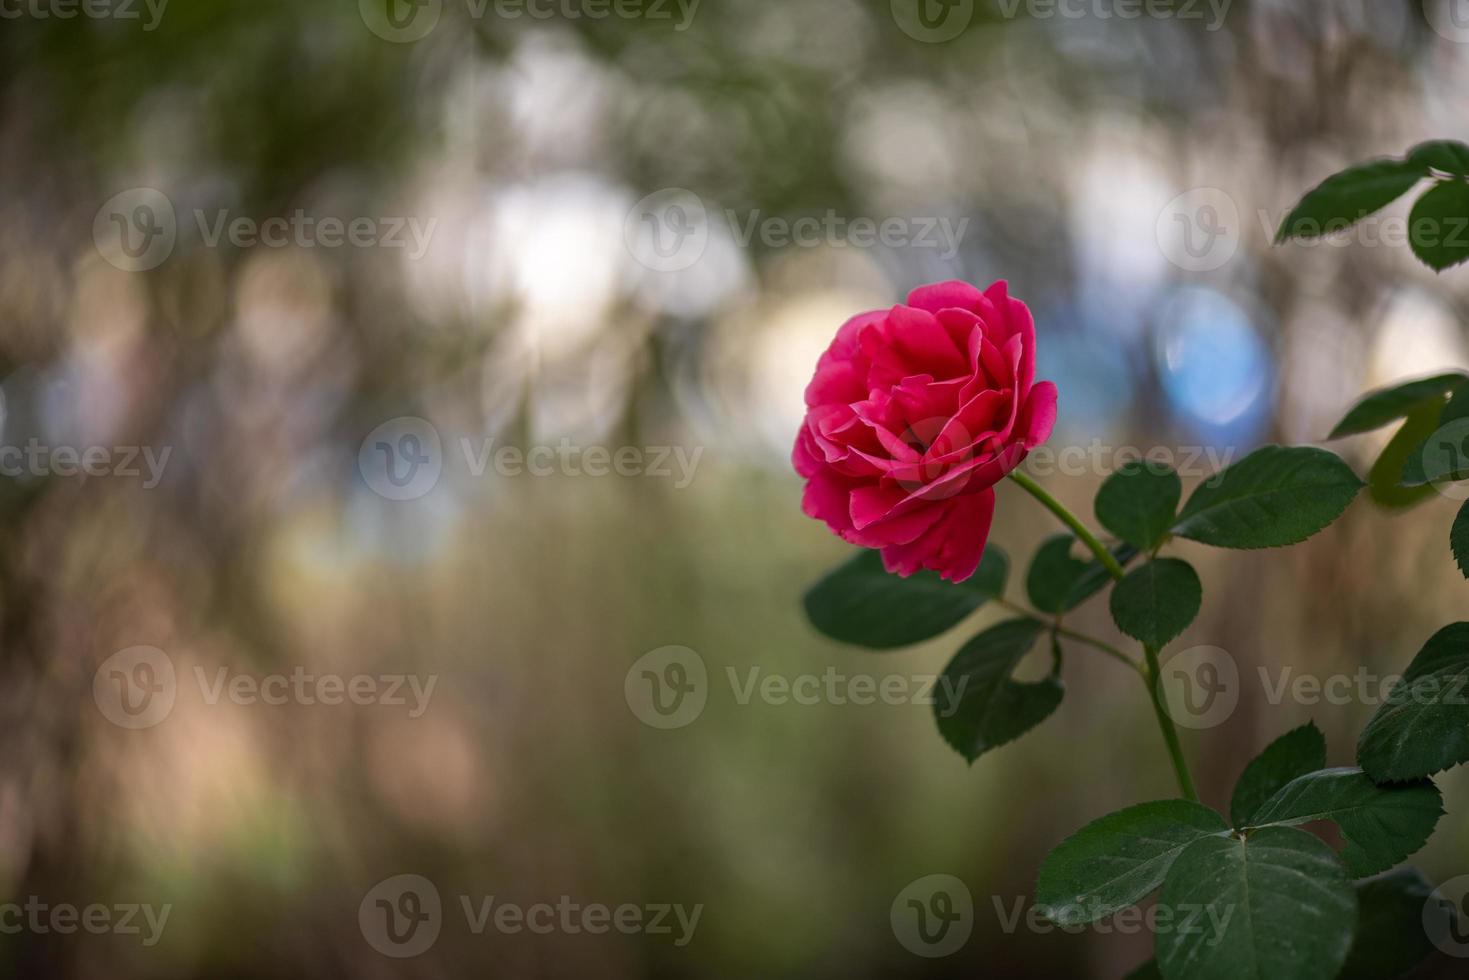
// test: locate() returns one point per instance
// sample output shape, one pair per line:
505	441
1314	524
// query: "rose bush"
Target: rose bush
913	416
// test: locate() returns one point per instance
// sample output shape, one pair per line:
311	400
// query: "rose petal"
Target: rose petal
924	343
953	545
841	372
952	294
1014	320
1038	417
805	456
983	417
826	499
889	529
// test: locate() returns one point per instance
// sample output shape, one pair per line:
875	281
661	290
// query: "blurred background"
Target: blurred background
287	290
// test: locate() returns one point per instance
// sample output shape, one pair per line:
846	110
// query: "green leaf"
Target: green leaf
1347	197
1391	939
1423	726
1053	574
1138	503
1274	496
978	706
1148	971
1443	454
1389	404
1058	582
1296	753
1381	825
860	603
1438	227
1445	156
1459	539
1156	602
1117	861
1277	905
1384	480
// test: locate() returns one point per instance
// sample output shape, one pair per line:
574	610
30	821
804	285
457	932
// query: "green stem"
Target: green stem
1070	520
1152	671
1106	648
1091	641
1165	724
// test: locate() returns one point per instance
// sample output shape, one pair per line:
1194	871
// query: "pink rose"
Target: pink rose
914	414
